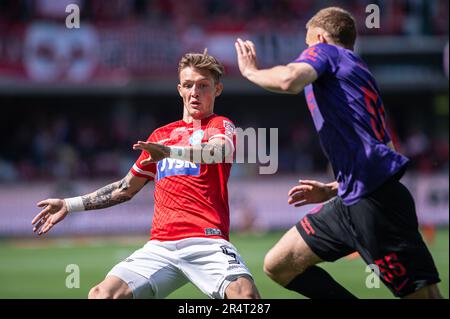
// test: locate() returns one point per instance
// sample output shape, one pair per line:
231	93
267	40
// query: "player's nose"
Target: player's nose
195	91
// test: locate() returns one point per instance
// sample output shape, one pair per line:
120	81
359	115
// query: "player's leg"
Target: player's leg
290	257
242	288
111	288
318	236
428	292
386	227
148	273
216	268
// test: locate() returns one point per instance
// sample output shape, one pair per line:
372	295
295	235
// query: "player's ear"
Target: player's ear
322	38
179	89
219	88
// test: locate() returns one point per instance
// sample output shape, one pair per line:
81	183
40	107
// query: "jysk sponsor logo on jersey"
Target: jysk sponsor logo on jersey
172	167
196	137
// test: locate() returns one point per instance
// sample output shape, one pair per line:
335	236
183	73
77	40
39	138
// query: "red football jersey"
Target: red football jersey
191	200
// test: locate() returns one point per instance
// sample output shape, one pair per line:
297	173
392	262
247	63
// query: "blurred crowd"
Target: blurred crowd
46	145
67	143
62	143
398	17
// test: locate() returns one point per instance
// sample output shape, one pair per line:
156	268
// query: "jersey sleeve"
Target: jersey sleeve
223	128
320	57
147	171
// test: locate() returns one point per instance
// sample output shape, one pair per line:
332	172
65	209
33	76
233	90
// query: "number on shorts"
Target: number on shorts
232	255
390	267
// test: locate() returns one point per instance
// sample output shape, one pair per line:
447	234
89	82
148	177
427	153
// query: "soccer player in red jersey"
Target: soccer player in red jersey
190	162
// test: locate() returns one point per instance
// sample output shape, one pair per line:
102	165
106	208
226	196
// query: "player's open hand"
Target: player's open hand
309	192
157	151
55	210
246	56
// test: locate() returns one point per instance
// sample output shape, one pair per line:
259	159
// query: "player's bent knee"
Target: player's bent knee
99	293
276	270
270	266
428	292
434	292
242	288
248	293
102	292
290	257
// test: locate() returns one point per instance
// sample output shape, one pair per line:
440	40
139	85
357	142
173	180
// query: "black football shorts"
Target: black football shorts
383	228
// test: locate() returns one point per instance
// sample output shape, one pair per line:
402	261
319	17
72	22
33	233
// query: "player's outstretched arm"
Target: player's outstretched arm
115	193
216	150
311	192
291	78
55	210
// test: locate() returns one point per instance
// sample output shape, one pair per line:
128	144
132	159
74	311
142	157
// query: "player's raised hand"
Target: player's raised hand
157	151
309	192
246	56
54	211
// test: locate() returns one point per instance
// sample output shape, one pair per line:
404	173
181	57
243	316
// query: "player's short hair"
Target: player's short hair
202	61
338	22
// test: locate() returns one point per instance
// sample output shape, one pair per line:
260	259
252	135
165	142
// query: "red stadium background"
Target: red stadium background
75	100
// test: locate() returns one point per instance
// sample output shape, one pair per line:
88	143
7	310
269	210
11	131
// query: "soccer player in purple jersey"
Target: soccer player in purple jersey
367	209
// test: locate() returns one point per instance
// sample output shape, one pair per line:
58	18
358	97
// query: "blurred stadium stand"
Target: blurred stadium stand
133	46
75	100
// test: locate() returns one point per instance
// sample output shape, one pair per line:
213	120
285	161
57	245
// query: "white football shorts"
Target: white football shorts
161	267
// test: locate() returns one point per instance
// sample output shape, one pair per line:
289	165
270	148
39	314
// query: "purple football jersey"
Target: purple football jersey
349	116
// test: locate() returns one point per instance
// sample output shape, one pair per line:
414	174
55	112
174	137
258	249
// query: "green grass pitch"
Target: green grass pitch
37	268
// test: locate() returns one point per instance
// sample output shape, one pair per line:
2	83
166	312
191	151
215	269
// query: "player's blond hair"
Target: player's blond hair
339	23
202	61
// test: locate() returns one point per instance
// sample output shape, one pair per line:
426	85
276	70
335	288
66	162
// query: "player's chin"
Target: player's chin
197	114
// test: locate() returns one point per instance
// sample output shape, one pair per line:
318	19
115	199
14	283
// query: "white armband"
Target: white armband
74	204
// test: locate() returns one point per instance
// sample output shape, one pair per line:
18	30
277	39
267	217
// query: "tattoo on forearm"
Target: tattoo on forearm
103	197
124	183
